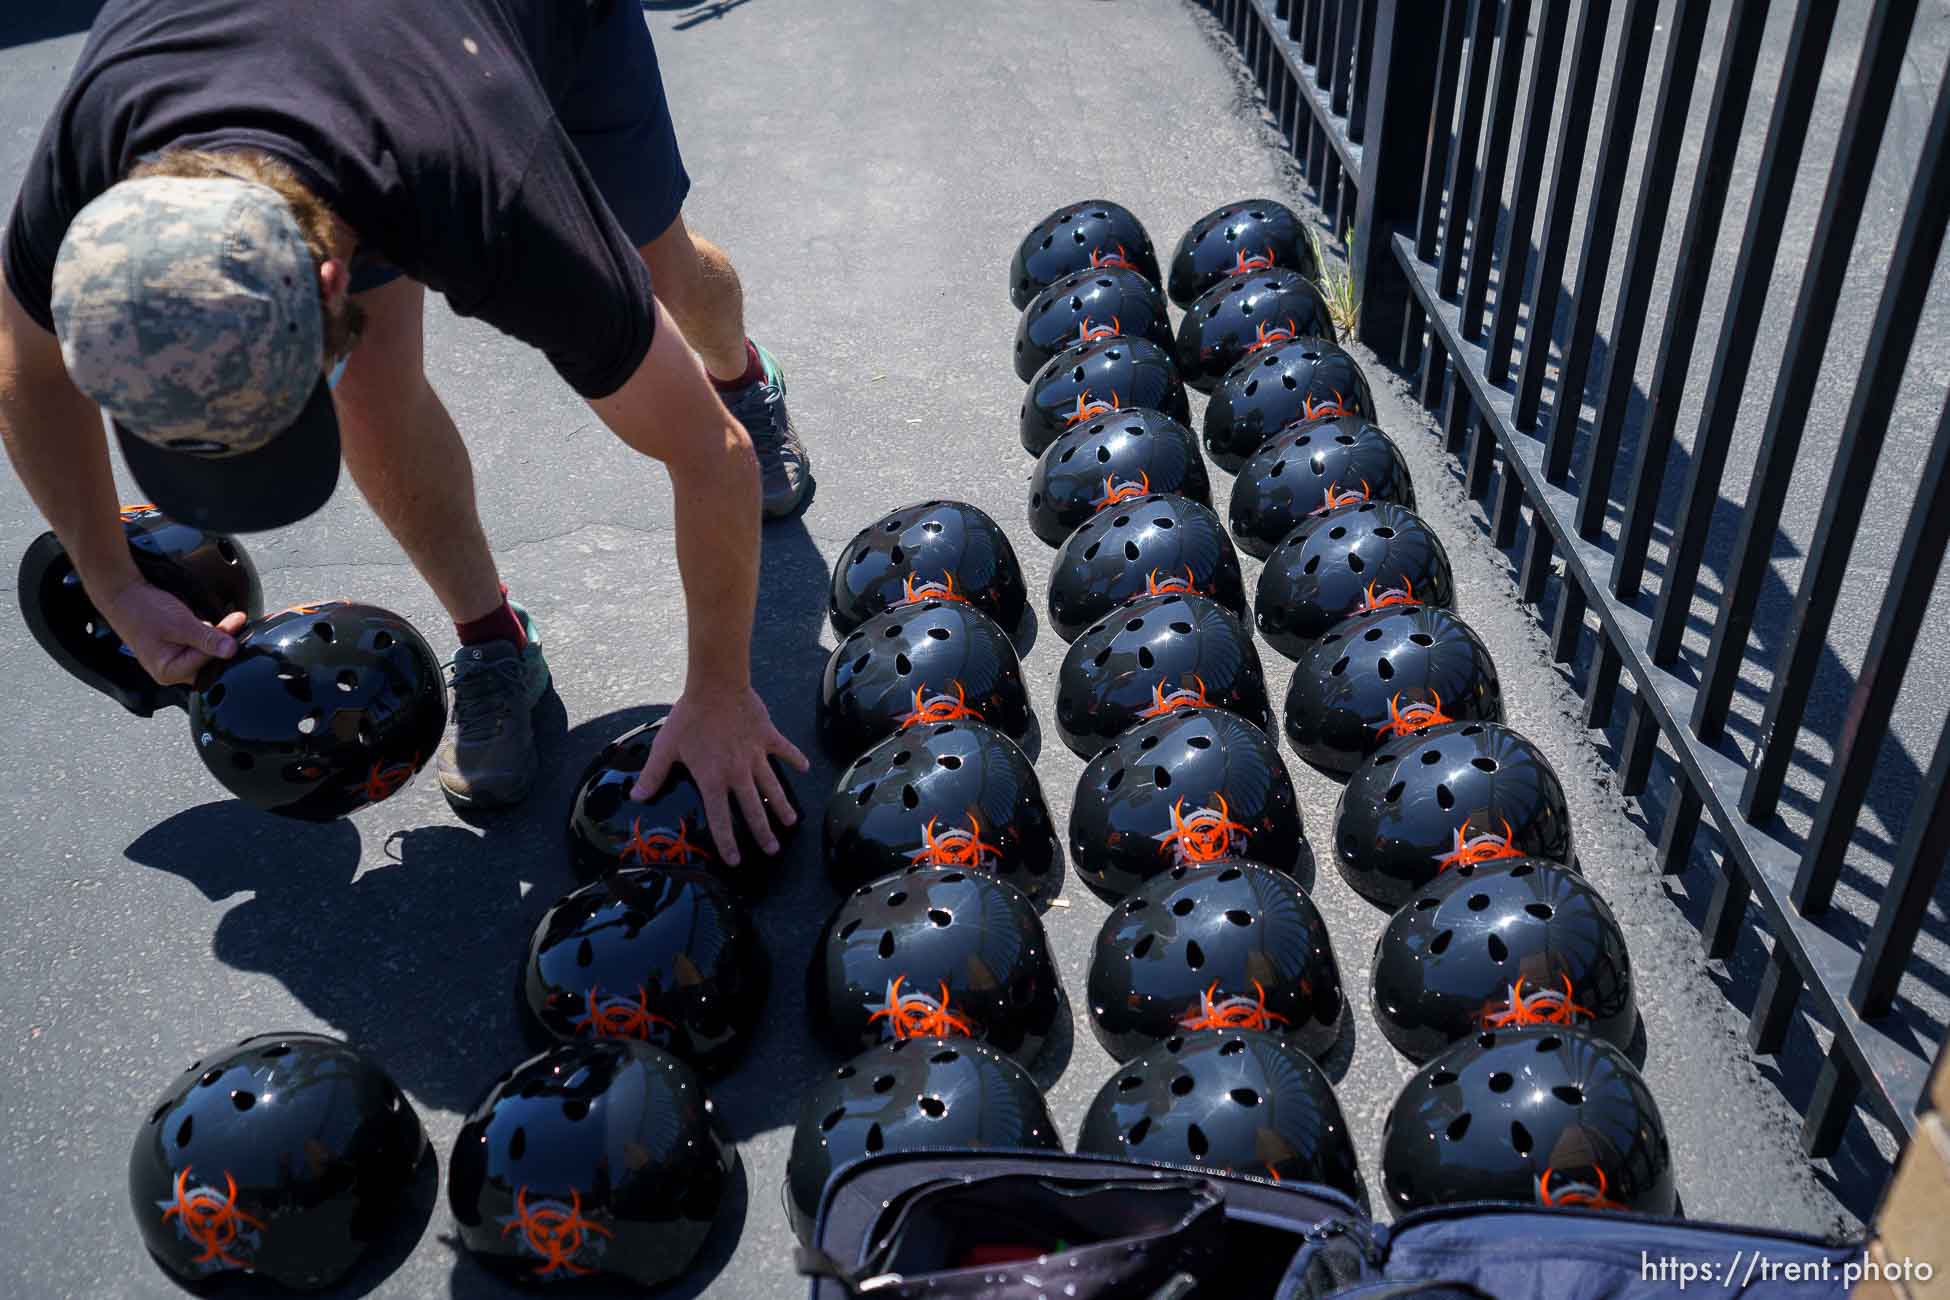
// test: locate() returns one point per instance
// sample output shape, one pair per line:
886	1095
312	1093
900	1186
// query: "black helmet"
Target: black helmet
953	794
1237	240
911	1094
664	955
1499	946
211	574
608	829
940	953
938	550
1125	455
1151	657
591	1158
939	661
326	708
284	1156
1228	945
1187	788
1244	313
1378	676
1148	546
1102	303
1352	560
1466	793
1091	380
1228	1099
1300	380
1310	470
1083	236
1537	1116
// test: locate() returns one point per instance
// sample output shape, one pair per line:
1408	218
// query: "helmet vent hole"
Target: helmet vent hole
1103	455
950	761
185	1130
939	633
1569	1093
1442	1078
1441	943
1384	670
910	800
286	673
953	878
1101	658
1232	1048
1145	658
1116	779
1445	796
1239	916
1139	1129
1394	793
1090	551
875	1139
1383	532
866	793
322	629
1311	566
1499	951
1134	625
1181	1085
1340	666
1183	907
940	915
1129	1082
833	1117
1195	1142
1289	382
1252	386
585	953
348	680
1230	873
845	930
860	664
1421	638
1181	627
1542	911
1355	563
1198	742
1134	905
883	1084
1338	531
1501	1082
1372	634
382	640
897	555
1279	468
1431	757
1161	778
1477	902
886	948
1483	764
1521	870
947	1056
1143	946
273	1053
209	1077
308	724
933	1107
1424	904
1549	1043
903	665
1458	1126
1131	551
1520	1138
844	1072
575	1109
1194	956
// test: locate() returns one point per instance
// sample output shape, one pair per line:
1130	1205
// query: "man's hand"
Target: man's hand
170	642
724	737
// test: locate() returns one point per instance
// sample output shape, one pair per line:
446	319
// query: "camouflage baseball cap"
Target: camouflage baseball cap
189	311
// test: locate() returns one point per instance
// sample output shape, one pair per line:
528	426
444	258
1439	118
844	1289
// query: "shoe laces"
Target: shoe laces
759	408
485	691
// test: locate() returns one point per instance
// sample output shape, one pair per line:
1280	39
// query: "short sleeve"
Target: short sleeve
39	222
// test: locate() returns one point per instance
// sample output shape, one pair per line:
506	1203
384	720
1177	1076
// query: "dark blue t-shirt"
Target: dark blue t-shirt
429	128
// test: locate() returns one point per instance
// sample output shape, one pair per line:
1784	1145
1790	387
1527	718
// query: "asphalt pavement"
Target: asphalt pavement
870	167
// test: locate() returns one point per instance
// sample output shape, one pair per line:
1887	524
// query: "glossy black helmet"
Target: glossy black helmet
1091	380
1086	306
1285	384
1090	235
591	1158
1122	456
1148	546
1190	787
938	550
917	665
1227	945
911	1094
325	709
1239	239
1542	1116
1228	1099
1357	559
1383	675
1152	657
1242	314
1310	470
939	953
947	794
210	573
608	829
285	1157
1460	794
663	955
1501	946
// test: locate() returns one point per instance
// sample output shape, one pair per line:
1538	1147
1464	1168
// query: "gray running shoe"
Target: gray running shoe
490	761
782	459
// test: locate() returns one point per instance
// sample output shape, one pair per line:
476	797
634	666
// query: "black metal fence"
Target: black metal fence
1403	115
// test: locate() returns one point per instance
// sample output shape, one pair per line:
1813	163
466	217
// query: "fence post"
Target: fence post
1401	88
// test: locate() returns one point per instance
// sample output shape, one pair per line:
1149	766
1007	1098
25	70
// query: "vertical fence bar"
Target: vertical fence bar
1601	224
1739	51
1357	107
1669	121
1343	78
1512	35
1406	48
1919	869
1330	21
1890	339
1462	147
1441	127
1834	240
1513	257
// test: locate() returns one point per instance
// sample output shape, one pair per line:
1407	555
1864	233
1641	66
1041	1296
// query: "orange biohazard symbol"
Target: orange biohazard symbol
617	1017
1089	333
1239	1012
1334	498
557	1234
138	510
1485	846
1120	258
1115	491
955	847
1153	587
385	779
940	708
660	847
913	592
1246	262
1312	410
1205	836
1184	697
1542	1006
1268	335
1404	722
311	607
916	1015
1402	595
212	1220
1575	1193
1087	409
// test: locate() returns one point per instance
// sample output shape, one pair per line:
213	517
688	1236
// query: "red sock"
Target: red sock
501	625
754	371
